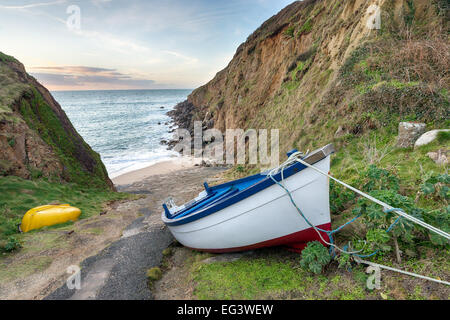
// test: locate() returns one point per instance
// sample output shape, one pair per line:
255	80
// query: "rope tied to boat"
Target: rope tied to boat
298	157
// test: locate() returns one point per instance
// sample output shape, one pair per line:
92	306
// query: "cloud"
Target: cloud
99	3
116	43
82	76
75	69
33	5
181	56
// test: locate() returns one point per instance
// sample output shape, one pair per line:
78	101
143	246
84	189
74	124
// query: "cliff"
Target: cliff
36	137
319	74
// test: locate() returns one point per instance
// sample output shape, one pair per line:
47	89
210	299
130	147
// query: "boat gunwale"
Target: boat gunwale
262	184
241	195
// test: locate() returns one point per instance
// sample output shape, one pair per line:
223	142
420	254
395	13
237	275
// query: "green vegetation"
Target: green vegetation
18	195
274	274
305	28
443	137
32	266
315	257
153	275
6	58
404	178
290	31
246	278
41	118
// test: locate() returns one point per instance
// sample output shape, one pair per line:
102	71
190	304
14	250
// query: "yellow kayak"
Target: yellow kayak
48	215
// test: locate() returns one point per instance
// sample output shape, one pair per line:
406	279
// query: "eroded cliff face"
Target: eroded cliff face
36	137
318	73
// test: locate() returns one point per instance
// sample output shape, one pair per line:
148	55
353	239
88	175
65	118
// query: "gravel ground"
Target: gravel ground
118	272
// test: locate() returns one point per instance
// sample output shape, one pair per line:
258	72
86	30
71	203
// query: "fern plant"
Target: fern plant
314	257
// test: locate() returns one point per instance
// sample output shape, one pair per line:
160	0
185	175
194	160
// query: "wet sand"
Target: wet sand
165	167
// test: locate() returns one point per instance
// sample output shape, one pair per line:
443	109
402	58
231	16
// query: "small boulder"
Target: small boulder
440	157
340	132
408	133
428	137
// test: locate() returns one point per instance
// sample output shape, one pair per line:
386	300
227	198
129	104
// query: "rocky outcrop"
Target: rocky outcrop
36	137
183	115
428	137
440	157
317	72
408	133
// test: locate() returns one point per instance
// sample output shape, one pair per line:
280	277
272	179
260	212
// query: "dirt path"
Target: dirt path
121	244
41	266
119	271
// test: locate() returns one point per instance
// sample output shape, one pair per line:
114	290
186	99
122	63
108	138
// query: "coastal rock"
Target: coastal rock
408	132
440	157
428	137
183	115
269	82
37	137
340	132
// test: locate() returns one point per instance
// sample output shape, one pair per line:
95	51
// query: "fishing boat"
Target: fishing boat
256	212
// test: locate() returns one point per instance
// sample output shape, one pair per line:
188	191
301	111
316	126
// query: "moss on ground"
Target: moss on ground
276	274
24	269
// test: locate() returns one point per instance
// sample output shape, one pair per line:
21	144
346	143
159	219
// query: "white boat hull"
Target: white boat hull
267	218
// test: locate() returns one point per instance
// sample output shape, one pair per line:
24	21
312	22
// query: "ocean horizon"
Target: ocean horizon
124	126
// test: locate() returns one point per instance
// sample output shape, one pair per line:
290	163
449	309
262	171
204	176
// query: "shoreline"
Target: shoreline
159	168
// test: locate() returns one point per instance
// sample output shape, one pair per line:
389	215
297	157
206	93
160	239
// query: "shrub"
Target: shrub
375	178
441	219
436	187
12	244
314	257
290	31
340	197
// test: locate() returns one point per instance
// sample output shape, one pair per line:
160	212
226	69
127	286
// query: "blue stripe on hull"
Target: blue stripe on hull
247	187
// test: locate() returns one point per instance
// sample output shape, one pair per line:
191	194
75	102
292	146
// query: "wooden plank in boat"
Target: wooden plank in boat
319	154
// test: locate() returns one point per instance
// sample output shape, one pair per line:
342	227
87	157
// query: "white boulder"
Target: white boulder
428	137
408	132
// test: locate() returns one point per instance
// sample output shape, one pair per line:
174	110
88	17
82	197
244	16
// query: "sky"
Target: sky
128	44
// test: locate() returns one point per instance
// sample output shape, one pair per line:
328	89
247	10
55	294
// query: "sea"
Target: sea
124	126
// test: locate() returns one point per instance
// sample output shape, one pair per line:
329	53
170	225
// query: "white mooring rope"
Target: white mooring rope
358	260
381	203
295	157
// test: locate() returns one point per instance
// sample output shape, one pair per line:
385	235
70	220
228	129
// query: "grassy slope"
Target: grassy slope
41	118
81	164
19	195
275	273
87	190
393	77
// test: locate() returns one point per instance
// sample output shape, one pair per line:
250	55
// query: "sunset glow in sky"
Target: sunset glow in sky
128	44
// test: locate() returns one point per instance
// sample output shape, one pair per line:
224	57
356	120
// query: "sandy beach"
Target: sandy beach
164	167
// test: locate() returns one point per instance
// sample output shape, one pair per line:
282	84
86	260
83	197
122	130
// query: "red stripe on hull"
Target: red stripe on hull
297	241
